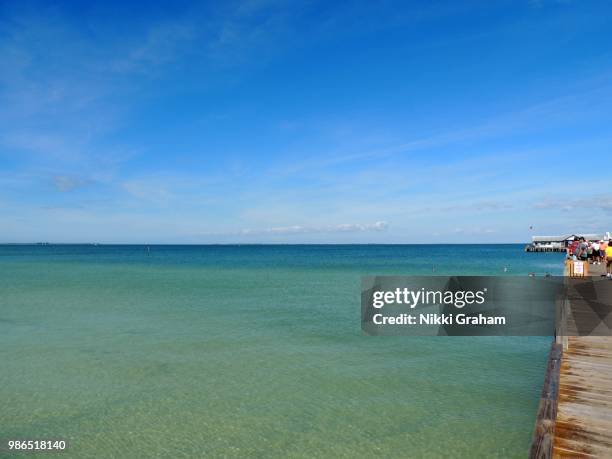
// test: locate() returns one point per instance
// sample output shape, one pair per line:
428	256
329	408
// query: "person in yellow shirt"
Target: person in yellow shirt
609	259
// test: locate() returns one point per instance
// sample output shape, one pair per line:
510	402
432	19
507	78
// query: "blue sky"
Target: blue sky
265	121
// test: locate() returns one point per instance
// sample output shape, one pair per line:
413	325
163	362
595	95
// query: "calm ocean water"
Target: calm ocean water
253	351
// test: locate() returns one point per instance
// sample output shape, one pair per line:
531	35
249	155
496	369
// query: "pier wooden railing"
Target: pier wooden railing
544	431
575	411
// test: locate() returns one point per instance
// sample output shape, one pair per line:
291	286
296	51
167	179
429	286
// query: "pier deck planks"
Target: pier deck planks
583	425
575	414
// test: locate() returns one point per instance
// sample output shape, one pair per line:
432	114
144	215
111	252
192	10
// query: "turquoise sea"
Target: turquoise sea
253	351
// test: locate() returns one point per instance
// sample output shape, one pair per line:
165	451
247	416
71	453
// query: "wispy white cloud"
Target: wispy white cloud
584	204
474	231
542	3
160	45
64	183
299	229
155	192
531	118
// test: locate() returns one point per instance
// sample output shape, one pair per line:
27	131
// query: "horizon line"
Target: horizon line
255	243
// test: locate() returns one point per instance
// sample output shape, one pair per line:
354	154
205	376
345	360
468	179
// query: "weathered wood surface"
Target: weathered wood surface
583	426
576	420
543	435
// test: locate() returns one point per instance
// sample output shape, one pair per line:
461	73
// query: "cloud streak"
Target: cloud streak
299	229
64	183
602	202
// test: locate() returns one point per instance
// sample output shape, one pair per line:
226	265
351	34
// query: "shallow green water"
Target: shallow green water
252	351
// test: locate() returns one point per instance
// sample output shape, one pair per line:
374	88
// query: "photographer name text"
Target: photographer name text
438	319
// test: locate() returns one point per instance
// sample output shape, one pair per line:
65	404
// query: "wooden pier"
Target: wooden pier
575	413
583	427
535	248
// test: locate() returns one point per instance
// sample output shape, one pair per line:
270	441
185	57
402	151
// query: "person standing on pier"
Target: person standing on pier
581	250
609	260
596	257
